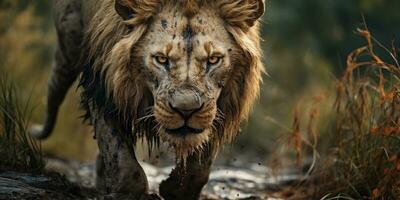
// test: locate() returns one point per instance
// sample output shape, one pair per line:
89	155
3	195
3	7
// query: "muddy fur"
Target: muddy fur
143	65
112	41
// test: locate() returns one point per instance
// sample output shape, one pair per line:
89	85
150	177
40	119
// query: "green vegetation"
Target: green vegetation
18	151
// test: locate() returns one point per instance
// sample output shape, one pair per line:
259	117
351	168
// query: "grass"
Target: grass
365	157
358	155
18	151
367	144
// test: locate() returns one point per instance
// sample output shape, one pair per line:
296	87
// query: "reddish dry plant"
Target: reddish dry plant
297	139
367	146
365	163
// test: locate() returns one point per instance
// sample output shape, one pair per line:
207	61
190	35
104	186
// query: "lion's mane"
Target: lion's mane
117	90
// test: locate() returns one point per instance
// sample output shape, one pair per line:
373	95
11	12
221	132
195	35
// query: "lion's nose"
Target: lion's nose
186	103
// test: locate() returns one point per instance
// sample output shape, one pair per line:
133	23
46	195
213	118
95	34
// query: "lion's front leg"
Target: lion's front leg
119	175
186	181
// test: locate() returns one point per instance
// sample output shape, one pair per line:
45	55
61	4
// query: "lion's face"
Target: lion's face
196	62
186	62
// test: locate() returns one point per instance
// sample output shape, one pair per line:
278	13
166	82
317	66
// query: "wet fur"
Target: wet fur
107	42
118	91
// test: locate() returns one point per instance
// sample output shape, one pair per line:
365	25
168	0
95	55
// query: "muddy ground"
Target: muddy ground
76	181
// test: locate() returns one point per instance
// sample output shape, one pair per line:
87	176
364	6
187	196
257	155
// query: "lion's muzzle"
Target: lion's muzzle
186	103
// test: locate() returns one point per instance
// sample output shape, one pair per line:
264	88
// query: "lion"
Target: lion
181	72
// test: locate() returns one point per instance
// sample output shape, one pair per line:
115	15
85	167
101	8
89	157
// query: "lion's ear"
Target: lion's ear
241	13
137	11
123	9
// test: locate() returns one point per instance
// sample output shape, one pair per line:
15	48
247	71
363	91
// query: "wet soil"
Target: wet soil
251	182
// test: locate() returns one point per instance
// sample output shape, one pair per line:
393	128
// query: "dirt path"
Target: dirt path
253	182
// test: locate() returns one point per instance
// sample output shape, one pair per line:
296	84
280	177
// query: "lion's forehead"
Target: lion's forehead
186	34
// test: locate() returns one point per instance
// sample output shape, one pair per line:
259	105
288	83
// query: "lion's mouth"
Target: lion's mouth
184	130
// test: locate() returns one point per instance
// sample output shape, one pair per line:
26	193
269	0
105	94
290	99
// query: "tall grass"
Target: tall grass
360	151
366	145
18	151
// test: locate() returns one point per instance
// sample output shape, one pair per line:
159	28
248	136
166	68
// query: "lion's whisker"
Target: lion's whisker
145	117
220	113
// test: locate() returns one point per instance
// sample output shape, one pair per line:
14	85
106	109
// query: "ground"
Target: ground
251	182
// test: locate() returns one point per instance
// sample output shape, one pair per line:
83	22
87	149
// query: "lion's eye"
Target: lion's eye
161	60
213	60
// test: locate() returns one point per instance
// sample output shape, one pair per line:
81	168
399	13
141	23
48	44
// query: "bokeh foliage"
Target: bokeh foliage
306	45
27	43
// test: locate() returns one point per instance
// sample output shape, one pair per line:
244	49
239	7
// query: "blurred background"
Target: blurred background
305	43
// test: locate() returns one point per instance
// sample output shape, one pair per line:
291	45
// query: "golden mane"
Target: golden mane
111	41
